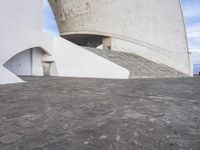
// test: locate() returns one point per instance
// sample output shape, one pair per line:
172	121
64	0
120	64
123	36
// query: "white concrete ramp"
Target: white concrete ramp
7	77
75	61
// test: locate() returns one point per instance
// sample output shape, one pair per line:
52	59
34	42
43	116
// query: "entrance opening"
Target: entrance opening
27	63
46	68
20	64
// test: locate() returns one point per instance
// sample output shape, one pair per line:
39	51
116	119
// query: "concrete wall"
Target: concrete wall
28	13
37	68
27	63
156	26
17	39
18	24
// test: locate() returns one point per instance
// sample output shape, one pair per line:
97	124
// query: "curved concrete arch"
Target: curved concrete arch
146	50
154	27
146	20
21	38
28	62
125	38
28	48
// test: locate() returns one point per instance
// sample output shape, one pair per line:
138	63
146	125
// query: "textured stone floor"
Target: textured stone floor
96	114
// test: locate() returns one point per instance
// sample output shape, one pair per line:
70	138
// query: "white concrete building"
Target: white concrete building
153	30
25	50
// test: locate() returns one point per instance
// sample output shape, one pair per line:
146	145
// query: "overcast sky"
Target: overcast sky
191	9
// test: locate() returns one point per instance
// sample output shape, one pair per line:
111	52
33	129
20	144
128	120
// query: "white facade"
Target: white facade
25	50
30	17
23	12
152	29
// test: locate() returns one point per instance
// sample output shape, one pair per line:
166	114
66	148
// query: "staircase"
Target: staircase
138	66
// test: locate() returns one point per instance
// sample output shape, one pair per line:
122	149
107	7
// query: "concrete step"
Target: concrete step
138	66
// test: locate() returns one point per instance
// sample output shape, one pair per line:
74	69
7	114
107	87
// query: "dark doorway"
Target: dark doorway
46	68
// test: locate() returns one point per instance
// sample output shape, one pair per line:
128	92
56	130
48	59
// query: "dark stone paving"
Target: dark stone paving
96	114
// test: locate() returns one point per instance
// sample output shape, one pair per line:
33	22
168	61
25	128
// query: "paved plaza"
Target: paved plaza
50	113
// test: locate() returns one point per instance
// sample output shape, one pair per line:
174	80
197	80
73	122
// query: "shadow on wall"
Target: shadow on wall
29	63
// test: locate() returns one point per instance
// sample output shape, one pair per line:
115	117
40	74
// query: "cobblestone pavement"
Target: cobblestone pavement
49	113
